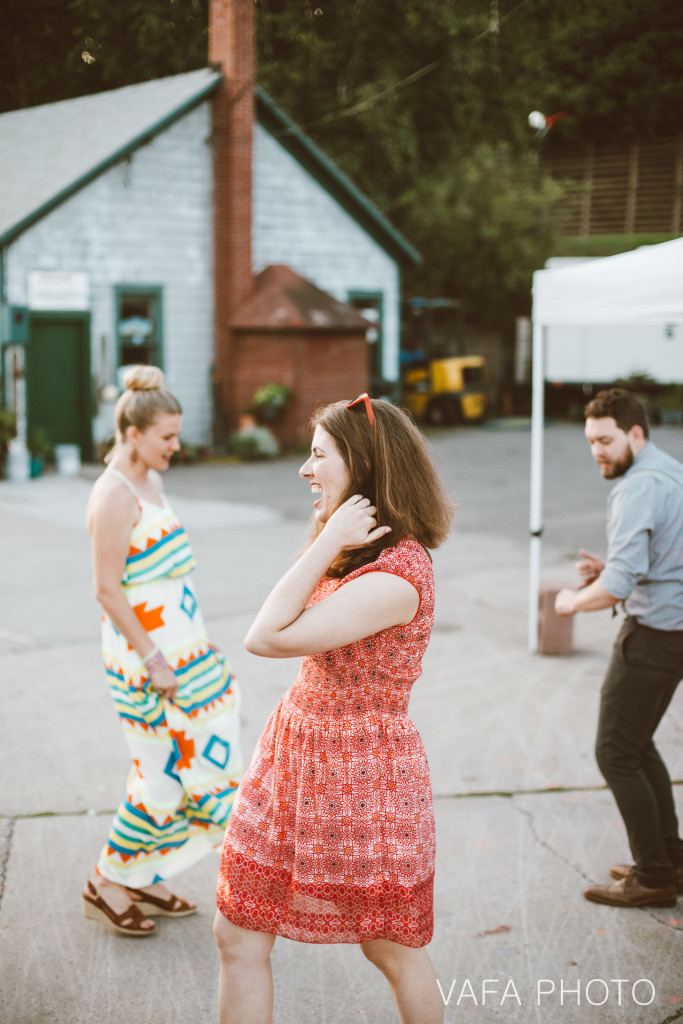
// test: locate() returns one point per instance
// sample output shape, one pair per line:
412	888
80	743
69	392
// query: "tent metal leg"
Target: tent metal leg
536	497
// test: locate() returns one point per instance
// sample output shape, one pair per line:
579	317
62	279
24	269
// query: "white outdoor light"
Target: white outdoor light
542	124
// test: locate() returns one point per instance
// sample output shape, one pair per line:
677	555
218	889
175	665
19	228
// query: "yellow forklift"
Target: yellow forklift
441	386
447	391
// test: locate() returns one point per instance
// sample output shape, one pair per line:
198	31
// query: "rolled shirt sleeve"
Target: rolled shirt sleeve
630	522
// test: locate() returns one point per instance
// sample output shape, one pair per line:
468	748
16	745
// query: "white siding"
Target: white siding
148	221
145	221
297	222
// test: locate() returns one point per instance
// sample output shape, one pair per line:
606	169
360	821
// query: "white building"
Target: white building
107	249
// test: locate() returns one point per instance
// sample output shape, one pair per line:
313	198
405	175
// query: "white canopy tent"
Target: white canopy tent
639	288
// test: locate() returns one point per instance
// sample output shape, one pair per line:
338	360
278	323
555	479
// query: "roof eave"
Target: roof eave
297	142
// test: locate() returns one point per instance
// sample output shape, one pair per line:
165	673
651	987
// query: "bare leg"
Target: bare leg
412	980
245	986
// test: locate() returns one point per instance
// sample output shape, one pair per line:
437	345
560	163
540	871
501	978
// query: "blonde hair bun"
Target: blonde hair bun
144	399
144	378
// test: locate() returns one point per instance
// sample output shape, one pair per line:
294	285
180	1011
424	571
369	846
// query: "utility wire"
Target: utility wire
357	108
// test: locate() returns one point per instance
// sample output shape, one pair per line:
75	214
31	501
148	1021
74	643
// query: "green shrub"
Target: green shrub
254	443
8	431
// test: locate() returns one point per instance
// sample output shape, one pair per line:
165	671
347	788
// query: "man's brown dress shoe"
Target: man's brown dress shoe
628	892
621	871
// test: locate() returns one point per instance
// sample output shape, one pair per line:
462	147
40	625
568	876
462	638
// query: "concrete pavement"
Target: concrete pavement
523	820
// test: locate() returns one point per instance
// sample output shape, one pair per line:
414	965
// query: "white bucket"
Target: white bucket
68	459
18	461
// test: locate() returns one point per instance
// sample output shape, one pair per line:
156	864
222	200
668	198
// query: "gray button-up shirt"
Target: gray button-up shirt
645	540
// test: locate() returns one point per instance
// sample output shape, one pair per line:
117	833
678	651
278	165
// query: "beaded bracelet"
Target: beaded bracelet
155	662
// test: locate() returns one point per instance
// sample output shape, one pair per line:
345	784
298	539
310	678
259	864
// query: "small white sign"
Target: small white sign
55	290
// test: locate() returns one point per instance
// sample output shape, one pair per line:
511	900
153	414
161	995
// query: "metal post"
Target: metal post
536	496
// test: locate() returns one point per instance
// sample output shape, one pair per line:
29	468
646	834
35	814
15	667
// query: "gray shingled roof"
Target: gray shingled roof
48	152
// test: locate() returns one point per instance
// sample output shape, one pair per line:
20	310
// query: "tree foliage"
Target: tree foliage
57	49
423	103
426	106
486	226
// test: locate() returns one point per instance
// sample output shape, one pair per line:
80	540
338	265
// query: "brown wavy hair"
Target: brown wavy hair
390	464
623	406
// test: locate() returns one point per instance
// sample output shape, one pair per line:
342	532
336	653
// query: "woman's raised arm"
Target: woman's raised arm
286	628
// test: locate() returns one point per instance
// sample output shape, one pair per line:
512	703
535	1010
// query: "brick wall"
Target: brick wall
318	367
297	222
282	216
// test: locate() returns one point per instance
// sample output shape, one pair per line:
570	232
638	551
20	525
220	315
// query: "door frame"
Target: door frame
373	298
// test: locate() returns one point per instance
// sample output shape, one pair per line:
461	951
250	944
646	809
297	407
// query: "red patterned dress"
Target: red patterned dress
331	836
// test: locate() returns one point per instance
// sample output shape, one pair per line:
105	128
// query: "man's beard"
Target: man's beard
611	470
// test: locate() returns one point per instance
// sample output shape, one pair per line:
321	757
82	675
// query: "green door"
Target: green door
57	378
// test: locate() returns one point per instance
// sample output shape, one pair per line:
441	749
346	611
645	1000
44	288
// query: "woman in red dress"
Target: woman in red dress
331	837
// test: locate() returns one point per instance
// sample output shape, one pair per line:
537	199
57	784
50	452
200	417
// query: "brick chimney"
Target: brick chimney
231	44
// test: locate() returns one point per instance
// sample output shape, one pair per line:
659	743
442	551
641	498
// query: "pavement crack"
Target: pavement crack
665	924
678	1015
5	849
546	846
83	812
509	794
16	639
24	645
542	842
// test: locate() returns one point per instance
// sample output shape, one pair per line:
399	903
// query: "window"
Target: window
138	326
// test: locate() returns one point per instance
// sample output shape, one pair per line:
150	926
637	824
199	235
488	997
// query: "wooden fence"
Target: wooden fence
634	188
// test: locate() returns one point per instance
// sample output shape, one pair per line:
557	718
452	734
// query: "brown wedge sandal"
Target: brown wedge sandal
157	906
127	923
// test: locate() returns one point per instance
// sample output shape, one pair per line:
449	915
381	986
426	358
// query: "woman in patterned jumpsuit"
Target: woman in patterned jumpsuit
174	692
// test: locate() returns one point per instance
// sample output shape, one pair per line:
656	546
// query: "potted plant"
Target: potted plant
40	450
269	402
8	431
246	420
186	455
253	443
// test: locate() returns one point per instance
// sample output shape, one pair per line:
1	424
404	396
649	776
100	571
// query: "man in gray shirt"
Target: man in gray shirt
644	570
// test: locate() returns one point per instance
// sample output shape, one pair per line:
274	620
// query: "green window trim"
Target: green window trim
140	291
359	298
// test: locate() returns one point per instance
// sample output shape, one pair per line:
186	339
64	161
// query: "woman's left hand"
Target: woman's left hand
354	525
164	681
